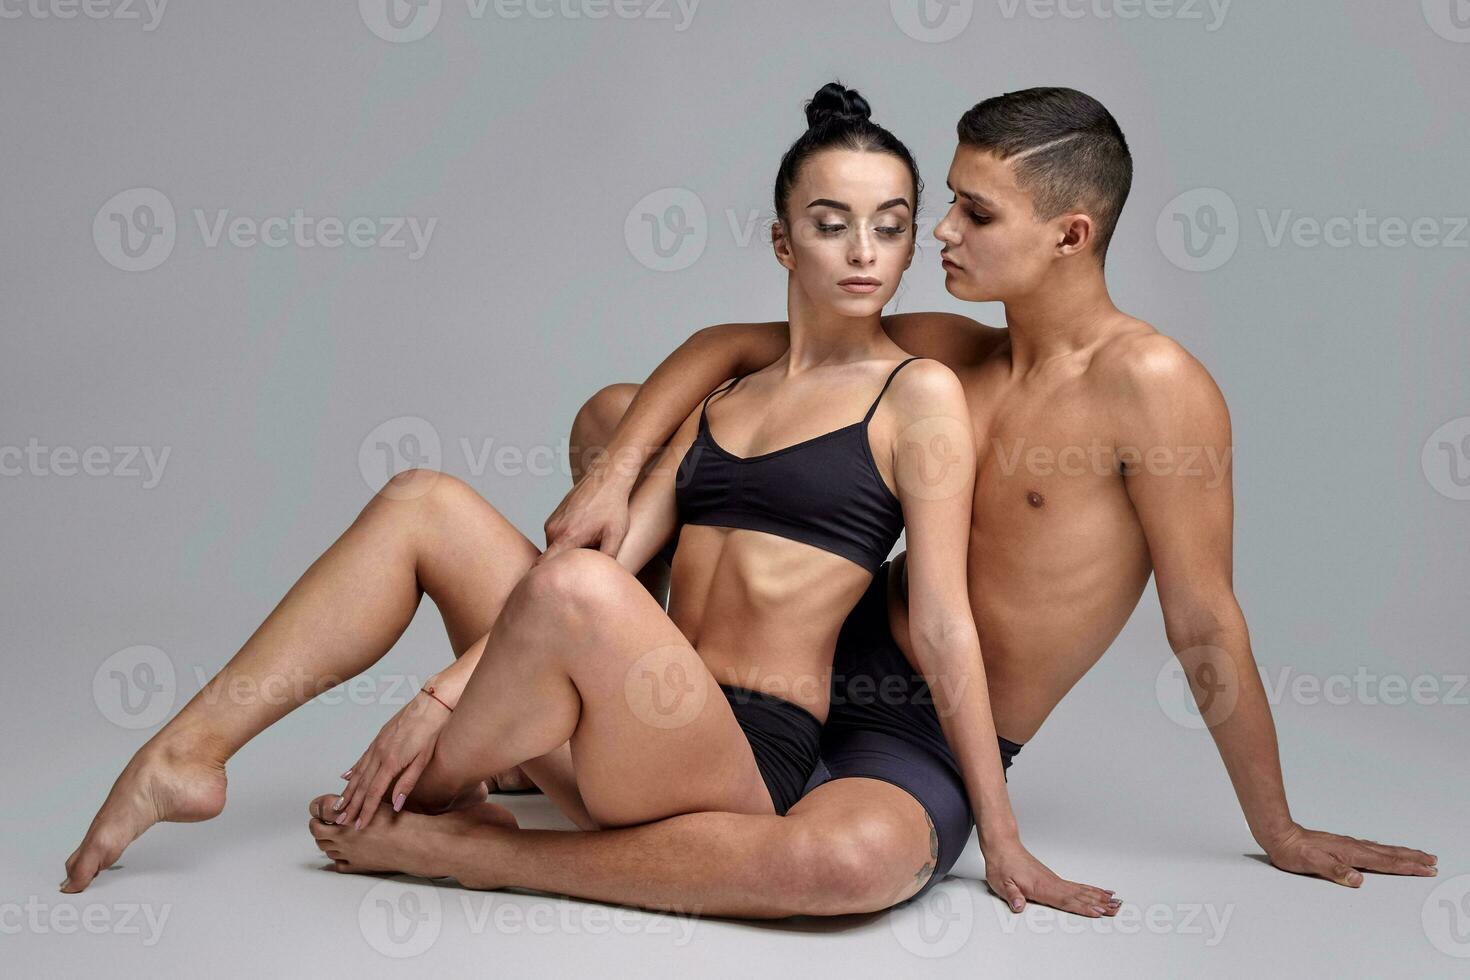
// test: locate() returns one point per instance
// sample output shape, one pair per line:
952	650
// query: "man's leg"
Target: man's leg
848	846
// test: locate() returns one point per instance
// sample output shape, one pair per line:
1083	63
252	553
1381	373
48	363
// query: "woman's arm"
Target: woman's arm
595	512
934	470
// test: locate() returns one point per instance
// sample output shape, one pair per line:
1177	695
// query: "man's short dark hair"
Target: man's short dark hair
1072	155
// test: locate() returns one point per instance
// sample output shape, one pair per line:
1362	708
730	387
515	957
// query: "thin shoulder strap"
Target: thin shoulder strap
874	407
724	387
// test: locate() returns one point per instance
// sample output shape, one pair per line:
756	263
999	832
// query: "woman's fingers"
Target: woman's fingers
375	790
406	782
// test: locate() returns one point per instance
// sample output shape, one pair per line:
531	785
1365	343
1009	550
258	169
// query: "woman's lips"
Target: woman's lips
859	285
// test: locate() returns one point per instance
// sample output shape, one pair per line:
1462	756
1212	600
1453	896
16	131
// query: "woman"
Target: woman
788	505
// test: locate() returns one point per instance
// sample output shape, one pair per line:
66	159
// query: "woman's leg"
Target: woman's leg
425	532
582	653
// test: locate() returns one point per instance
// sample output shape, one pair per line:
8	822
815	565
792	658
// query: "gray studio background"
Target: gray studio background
537	154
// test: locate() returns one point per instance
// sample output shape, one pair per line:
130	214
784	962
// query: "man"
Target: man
1104	456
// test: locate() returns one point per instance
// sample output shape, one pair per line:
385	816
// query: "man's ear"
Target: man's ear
781	244
1074	233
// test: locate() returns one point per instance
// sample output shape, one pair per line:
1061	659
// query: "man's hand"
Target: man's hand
593	514
1338	858
1017	877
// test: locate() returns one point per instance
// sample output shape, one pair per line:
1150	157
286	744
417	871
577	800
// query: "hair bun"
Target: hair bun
836	101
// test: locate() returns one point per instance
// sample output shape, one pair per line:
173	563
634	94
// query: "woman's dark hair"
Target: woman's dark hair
838	119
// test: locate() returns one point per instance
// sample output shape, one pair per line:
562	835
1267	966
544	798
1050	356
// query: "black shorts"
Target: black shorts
883	725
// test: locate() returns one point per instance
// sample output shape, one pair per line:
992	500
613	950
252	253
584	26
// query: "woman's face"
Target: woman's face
848	234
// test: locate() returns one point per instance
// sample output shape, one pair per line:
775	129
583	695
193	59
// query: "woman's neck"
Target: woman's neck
822	336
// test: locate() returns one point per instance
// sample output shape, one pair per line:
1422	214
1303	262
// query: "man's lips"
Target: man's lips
860	284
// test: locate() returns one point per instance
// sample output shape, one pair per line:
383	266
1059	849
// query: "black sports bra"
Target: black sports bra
824	491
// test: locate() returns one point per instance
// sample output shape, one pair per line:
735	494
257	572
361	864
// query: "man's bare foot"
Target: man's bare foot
170	778
412	843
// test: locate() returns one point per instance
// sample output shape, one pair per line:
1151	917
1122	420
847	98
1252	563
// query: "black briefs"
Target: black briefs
785	738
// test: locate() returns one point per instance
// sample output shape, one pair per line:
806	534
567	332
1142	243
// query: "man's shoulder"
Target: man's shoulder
1153	375
1138	357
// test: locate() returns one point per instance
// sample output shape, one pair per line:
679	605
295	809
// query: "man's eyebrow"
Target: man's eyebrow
975	196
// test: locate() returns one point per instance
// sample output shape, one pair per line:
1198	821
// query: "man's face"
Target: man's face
995	249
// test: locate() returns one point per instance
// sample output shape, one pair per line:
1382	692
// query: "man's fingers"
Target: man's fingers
1343	874
1389	860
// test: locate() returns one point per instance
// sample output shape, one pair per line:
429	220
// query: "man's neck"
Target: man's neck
1061	318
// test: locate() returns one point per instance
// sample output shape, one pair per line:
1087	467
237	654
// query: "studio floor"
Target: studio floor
1144	809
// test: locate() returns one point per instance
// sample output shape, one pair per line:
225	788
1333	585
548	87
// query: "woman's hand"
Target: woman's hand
1017	877
402	749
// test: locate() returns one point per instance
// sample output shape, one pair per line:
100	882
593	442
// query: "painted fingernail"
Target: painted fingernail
347	774
340	818
340	801
1100	910
398	802
357	824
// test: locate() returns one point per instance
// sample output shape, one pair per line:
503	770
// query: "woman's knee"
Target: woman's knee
578	581
863	863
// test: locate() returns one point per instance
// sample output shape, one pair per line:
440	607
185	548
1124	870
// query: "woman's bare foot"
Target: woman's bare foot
513	781
171	778
412	843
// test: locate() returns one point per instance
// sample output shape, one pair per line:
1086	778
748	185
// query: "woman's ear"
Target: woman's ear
781	245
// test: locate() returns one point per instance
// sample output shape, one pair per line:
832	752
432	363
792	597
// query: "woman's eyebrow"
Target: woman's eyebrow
840	206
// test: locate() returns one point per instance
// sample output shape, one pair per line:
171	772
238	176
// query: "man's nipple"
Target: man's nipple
1034	499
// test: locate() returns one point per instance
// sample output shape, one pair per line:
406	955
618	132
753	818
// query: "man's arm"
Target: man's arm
953	340
1176	450
595	512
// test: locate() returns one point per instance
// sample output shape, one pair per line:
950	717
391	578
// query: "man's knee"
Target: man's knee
862	863
599	415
